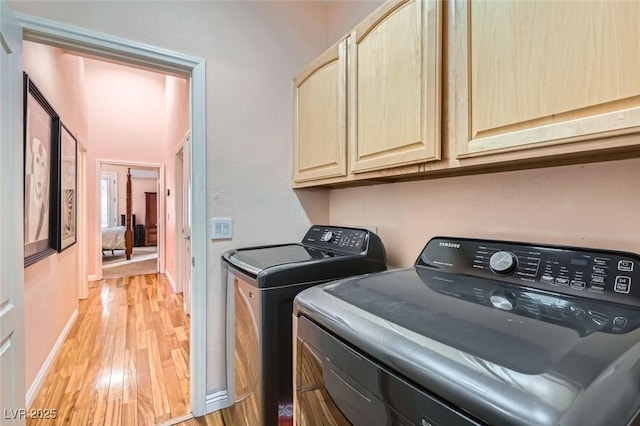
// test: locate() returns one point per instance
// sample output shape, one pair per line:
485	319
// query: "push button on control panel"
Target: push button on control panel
599	270
625	266
619	321
622	284
547	279
577	285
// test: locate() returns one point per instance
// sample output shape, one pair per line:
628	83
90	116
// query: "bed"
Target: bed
113	239
120	237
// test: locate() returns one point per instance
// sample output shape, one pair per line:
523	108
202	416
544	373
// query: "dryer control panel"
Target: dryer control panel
597	274
350	240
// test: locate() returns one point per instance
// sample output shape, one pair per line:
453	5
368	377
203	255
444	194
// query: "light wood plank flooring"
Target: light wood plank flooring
213	419
125	362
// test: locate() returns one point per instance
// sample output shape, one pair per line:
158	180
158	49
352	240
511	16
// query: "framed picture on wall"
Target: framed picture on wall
40	158
66	191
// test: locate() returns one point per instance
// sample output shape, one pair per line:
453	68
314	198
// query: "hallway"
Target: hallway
126	359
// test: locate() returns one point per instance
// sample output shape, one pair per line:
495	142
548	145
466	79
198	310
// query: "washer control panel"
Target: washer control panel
597	274
336	238
583	315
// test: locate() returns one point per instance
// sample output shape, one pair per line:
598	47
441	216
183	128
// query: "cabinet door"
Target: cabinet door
320	117
394	78
539	73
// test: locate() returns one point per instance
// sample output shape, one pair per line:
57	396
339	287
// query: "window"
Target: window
108	199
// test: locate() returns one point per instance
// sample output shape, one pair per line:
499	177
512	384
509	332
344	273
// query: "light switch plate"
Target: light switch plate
221	228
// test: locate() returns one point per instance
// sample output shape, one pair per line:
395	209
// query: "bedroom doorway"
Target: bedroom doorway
131	188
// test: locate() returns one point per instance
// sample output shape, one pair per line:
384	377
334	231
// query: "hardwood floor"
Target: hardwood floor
125	361
213	419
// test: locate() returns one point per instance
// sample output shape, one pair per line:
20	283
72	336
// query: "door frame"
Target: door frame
178	159
105	46
161	185
180	250
83	285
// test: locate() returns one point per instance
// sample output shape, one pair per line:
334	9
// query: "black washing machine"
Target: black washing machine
261	284
476	333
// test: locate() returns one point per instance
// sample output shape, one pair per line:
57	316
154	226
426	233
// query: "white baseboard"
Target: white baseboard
42	374
177	420
216	401
93	277
171	281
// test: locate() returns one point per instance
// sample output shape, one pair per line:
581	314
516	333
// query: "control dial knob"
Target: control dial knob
503	262
503	300
327	236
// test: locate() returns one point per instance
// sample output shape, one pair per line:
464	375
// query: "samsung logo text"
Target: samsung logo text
452	245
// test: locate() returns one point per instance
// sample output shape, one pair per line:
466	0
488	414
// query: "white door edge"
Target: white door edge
12	306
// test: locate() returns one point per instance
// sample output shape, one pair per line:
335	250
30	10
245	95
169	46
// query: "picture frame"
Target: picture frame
65	192
40	157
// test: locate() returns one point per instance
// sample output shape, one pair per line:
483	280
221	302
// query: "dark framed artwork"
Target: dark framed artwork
66	191
40	157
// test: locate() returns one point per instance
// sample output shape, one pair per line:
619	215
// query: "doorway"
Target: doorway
147	226
107	47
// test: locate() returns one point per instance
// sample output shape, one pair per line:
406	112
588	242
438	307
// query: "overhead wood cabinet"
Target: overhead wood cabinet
530	74
320	117
394	86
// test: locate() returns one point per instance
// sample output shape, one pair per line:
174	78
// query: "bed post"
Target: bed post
128	233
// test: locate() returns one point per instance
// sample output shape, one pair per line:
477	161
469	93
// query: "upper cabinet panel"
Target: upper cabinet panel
545	72
394	80
320	128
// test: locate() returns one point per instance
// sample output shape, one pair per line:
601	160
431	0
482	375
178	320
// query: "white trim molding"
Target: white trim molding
172	282
48	363
115	48
217	401
94	43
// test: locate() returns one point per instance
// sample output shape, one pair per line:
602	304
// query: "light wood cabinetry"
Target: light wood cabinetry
394	86
393	82
320	117
541	73
524	84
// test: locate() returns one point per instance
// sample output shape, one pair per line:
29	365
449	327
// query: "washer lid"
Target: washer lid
256	259
287	264
505	354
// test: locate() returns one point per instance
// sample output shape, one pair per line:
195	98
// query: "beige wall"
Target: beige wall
51	284
344	15
591	205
